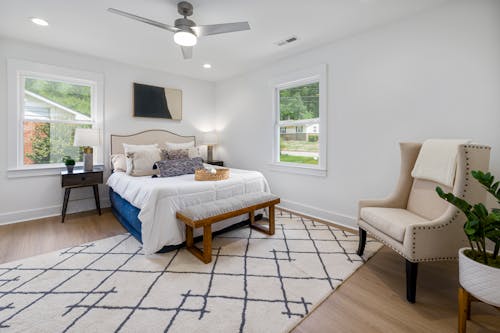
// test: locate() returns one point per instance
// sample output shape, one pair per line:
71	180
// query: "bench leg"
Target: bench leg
189	236
269	230
207	244
206	254
271	220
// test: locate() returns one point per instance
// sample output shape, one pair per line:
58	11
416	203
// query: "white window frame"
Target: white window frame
311	75
17	72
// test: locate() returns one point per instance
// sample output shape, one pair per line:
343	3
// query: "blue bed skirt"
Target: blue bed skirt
128	216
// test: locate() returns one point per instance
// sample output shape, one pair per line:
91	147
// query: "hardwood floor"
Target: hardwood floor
26	239
371	300
374	300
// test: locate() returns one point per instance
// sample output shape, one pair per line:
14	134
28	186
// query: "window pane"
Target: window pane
300	144
52	100
300	103
46	143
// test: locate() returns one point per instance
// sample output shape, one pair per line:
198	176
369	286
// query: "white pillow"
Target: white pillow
141	162
141	158
194	152
132	148
176	146
119	162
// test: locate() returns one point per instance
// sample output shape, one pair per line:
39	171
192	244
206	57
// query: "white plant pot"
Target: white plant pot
482	281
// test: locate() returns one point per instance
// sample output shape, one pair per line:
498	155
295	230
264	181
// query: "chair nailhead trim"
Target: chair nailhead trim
457	214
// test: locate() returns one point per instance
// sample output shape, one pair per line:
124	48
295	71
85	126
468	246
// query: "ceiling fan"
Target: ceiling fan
186	32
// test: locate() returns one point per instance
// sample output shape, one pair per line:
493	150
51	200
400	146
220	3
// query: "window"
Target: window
51	112
46	105
300	121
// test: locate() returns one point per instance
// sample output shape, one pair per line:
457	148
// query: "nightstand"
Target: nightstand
81	178
219	163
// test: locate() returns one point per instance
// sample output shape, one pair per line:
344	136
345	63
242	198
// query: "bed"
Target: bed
146	206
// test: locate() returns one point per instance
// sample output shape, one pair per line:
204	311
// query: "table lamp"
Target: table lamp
87	138
210	139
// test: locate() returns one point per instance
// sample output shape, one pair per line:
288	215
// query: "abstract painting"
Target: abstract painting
157	102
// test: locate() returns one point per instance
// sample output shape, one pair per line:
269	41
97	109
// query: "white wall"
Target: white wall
433	75
33	197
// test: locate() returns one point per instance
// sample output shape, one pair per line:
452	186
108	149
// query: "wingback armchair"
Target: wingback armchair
414	221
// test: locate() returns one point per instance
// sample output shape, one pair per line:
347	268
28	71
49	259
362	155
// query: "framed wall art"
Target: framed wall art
157	102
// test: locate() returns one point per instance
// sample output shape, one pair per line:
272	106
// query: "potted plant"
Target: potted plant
69	162
479	269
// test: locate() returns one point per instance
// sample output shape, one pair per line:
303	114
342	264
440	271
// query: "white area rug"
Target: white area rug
255	283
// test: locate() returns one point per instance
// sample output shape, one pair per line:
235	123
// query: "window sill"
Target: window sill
40	171
297	169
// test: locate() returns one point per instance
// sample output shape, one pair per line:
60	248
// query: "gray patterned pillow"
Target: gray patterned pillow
178	154
174	154
179	167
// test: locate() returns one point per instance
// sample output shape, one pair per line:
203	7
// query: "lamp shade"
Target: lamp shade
87	137
210	138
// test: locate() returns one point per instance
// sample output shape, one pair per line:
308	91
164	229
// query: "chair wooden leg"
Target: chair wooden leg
251	217
362	242
411	280
464	300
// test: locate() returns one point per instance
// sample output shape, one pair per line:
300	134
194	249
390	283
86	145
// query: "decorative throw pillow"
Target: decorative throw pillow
175	146
180	153
140	163
173	168
119	162
177	154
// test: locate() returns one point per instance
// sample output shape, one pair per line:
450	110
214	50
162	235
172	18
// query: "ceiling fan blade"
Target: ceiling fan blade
214	29
143	19
187	52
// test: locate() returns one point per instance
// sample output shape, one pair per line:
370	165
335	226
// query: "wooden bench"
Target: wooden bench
206	214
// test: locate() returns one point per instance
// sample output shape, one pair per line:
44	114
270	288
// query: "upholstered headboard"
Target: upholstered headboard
146	138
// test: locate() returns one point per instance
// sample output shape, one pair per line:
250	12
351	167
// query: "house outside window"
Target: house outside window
52	110
300	121
46	105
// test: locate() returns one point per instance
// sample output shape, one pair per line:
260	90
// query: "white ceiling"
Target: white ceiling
86	27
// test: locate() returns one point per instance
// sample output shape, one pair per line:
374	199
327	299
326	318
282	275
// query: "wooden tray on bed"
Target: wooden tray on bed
205	174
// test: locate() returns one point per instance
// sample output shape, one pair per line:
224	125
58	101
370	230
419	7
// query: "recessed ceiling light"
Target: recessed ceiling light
207	66
39	21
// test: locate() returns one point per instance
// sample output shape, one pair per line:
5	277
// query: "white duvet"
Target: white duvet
160	198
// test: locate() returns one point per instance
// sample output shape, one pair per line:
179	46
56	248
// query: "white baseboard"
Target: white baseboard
321	214
87	204
74	206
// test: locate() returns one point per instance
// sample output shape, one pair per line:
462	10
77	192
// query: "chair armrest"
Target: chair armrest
438	239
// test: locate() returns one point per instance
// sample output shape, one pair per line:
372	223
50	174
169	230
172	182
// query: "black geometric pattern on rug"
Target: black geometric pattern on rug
24	286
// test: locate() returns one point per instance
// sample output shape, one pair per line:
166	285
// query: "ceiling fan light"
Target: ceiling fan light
185	38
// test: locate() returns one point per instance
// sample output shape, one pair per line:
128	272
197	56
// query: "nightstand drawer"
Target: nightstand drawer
83	179
218	163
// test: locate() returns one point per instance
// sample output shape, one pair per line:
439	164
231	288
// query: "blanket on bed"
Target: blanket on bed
160	198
